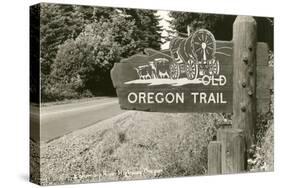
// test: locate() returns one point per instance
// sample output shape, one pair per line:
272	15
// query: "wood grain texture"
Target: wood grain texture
244	61
262	54
214	158
264	77
233	150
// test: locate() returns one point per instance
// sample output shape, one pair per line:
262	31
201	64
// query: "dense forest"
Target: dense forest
80	44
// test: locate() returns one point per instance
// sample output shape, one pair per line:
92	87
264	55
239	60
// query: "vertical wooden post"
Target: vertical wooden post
244	76
214	158
233	150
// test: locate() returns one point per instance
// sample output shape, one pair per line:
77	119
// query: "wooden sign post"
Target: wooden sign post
244	76
252	81
201	74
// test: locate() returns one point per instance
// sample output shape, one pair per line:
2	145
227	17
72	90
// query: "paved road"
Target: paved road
58	120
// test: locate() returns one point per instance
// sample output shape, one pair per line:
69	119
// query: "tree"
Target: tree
219	25
82	65
58	23
66	27
147	31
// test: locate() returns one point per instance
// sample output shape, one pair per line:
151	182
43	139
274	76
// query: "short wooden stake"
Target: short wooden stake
214	158
233	150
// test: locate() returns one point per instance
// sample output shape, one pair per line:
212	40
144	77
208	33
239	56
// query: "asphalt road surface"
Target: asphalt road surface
58	120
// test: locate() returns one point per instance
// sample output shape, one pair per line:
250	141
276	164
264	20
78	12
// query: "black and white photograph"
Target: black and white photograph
122	94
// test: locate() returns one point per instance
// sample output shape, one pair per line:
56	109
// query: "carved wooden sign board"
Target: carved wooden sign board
193	75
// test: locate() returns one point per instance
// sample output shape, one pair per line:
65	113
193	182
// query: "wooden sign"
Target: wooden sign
194	75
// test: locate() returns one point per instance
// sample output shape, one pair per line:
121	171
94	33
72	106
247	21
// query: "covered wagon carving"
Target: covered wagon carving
192	58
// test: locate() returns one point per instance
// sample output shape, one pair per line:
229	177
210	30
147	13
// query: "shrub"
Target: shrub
262	154
82	65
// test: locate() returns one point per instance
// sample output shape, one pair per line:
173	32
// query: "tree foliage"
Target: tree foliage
219	25
147	33
82	65
57	24
79	45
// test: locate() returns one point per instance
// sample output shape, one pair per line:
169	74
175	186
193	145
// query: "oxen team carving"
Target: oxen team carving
157	69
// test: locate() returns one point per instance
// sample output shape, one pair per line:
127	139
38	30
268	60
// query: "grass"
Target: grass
133	145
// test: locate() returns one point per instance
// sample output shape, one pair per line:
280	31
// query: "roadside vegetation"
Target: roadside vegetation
80	44
129	147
